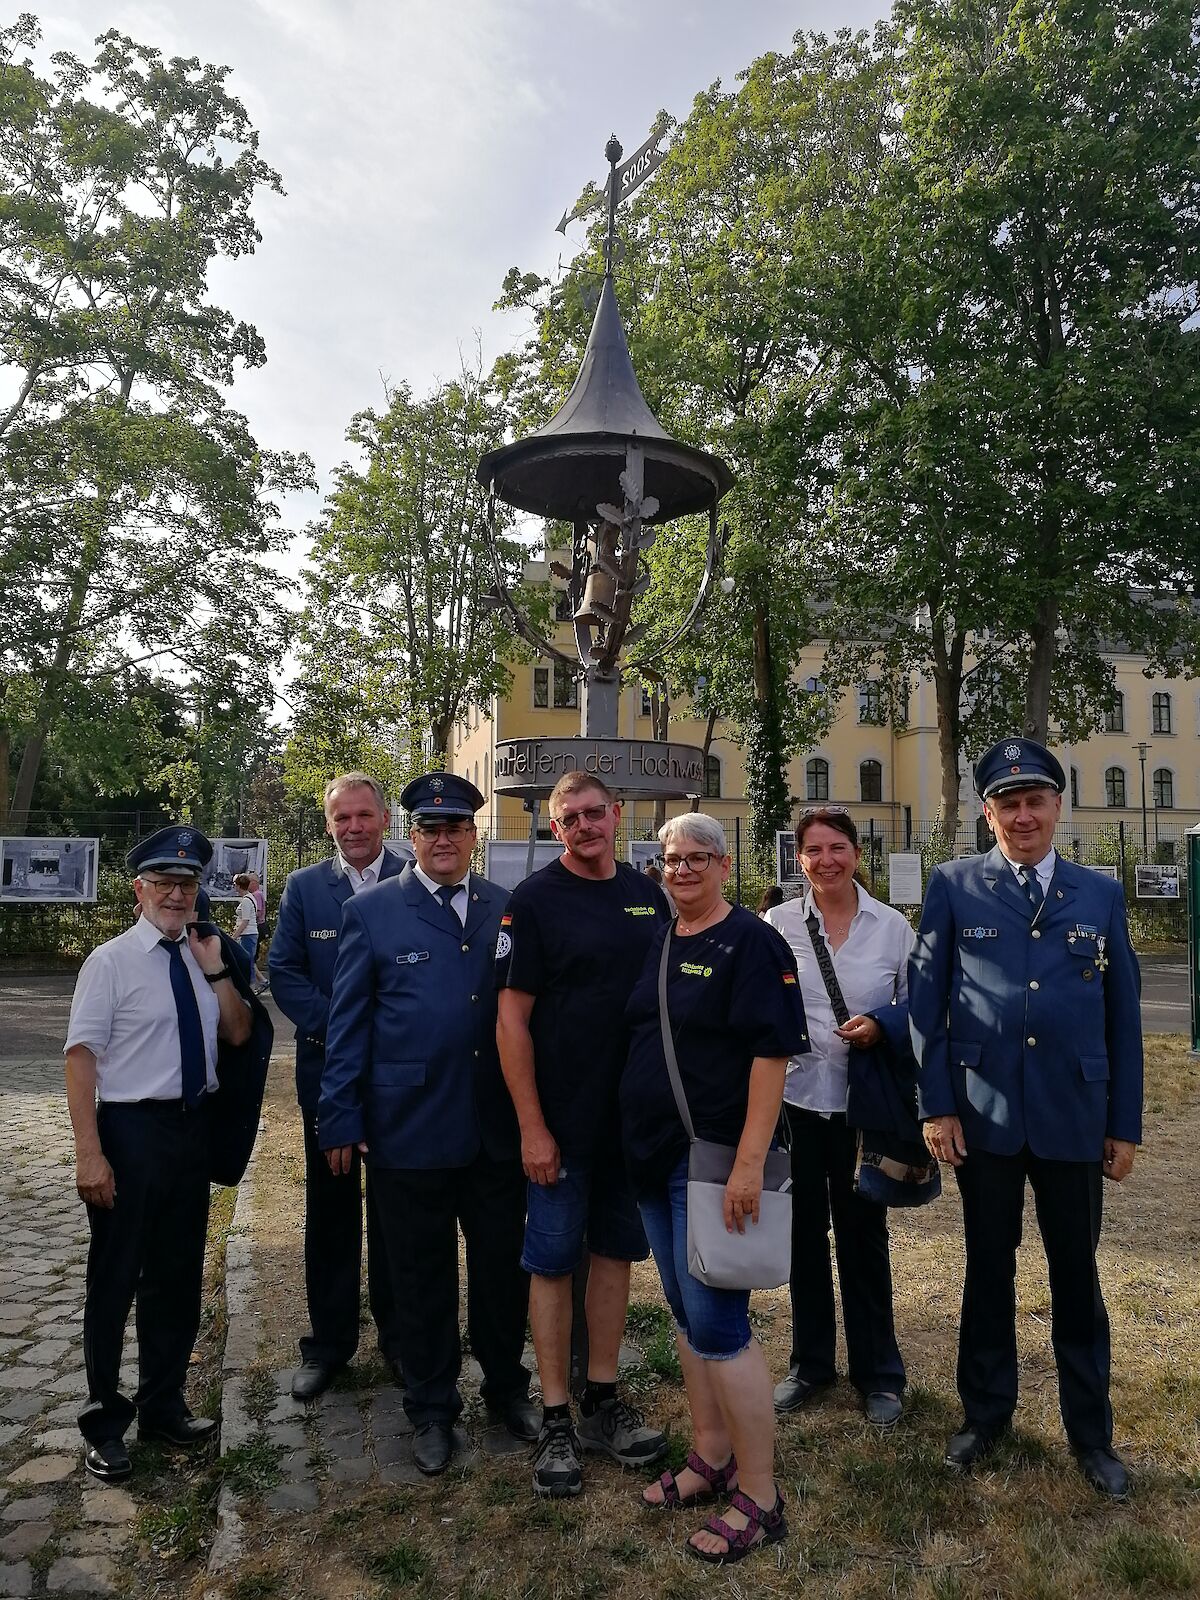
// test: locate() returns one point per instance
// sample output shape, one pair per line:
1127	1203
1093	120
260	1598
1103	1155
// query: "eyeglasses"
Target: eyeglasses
452	830
697	861
188	888
573	818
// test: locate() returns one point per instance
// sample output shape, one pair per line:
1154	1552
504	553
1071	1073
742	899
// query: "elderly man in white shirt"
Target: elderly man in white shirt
867	945
141	1055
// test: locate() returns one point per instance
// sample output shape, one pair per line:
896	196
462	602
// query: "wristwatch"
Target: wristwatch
215	977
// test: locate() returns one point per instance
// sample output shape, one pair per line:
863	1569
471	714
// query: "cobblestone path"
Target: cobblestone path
60	1531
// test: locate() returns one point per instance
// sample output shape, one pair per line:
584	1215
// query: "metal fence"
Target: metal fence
69	931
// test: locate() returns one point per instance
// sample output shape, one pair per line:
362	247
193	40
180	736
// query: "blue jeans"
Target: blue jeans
715	1322
592	1200
249	943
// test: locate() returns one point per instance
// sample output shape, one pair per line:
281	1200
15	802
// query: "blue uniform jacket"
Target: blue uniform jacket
303	955
410	1060
1028	1028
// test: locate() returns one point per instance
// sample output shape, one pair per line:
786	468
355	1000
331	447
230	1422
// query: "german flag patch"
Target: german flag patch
506	920
789	977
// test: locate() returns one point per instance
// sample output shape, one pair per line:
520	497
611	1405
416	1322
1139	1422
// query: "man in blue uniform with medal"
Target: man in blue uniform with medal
1024	1003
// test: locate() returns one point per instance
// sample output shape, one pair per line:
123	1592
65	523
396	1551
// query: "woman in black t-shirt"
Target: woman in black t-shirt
736	1016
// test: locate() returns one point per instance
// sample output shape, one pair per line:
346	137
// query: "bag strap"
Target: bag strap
833	988
685	1116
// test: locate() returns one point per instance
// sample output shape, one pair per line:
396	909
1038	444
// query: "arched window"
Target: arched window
1074	786
816	775
870	780
712	777
1114	717
1160	713
1164	788
1114	786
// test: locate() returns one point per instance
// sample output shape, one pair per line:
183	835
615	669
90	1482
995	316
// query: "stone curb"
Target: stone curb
241	1345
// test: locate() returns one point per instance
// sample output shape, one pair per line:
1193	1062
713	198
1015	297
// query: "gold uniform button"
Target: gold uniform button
1034	984
1087	972
1031	1040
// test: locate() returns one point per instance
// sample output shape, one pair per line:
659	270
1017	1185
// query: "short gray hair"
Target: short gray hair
698	826
355	780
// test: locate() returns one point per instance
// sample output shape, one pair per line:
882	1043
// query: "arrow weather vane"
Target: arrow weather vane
623	178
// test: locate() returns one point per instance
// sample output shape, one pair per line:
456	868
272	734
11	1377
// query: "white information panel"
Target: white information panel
60	871
504	859
904	879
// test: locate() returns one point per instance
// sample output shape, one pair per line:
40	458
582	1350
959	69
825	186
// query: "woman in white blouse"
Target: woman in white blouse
868	943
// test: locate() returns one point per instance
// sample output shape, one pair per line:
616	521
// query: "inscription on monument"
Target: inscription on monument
634	767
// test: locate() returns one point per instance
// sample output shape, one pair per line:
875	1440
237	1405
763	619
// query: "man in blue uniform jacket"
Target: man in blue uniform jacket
412	1081
1024	1003
303	954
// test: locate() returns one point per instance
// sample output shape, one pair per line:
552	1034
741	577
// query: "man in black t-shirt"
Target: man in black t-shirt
571	946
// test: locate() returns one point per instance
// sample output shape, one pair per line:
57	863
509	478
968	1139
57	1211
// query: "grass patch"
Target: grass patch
1143	1558
180	1529
252	1468
653	1328
261	1584
401	1564
259	1392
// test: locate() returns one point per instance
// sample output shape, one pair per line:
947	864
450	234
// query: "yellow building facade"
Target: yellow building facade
886	773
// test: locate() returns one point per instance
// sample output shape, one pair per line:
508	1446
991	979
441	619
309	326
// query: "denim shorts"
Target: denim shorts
592	1200
715	1322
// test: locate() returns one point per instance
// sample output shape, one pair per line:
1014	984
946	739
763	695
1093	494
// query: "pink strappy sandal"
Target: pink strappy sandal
720	1481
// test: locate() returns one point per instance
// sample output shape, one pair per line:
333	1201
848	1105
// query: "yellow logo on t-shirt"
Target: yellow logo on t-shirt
693	969
640	911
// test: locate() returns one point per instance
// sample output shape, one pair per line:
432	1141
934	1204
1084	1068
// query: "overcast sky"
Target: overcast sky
426	146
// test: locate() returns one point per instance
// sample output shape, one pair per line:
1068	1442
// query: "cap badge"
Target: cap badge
1012	752
185	838
436	785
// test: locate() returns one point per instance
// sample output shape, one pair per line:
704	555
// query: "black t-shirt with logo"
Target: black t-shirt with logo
732	994
577	945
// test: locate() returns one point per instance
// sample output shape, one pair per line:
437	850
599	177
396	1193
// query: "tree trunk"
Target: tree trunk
947	686
1041	671
709	729
5	756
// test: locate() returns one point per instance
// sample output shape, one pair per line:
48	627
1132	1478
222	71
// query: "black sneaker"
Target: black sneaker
615	1429
556	1465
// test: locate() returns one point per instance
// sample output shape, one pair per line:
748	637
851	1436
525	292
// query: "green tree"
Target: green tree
134	504
397	634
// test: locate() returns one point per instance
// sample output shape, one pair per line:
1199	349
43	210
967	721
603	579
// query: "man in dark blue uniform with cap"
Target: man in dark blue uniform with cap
141	1061
1024	1004
412	1082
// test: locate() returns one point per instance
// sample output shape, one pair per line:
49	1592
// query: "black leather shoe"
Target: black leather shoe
108	1460
1105	1471
795	1392
970	1445
883	1410
312	1379
521	1417
433	1445
185	1433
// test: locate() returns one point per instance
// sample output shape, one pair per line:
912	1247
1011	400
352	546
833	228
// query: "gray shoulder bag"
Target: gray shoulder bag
760	1258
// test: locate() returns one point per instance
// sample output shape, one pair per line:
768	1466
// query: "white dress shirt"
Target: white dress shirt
871	967
461	897
123	1010
1044	870
364	879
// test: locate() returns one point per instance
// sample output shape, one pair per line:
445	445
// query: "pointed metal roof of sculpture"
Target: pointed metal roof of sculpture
573	463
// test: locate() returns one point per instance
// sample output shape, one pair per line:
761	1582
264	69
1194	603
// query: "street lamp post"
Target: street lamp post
1141	750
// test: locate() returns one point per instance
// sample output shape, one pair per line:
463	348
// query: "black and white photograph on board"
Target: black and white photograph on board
58	871
1156	882
229	857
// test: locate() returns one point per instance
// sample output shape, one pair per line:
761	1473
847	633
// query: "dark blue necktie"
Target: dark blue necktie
1033	888
191	1031
446	893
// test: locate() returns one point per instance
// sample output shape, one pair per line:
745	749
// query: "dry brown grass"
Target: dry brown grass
869	1517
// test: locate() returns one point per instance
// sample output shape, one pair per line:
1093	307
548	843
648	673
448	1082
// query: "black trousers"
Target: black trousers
150	1245
823	1151
419	1216
1068	1196
333	1213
